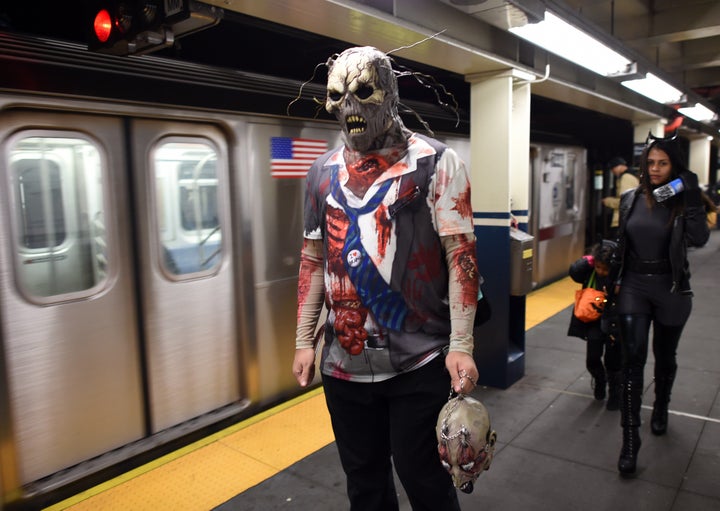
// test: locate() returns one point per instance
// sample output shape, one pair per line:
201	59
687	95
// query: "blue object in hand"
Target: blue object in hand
666	191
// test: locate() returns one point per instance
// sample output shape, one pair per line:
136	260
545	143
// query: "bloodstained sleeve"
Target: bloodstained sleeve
311	293
463	289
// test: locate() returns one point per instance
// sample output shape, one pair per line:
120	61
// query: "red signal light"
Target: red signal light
103	25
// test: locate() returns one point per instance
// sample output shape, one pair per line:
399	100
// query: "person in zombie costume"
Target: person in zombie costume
389	248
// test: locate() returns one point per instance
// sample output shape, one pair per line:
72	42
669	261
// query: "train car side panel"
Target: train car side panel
67	285
185	239
278	189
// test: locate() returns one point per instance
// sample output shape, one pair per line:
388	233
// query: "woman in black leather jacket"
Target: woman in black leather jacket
654	283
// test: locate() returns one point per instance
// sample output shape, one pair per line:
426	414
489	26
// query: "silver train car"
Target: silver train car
149	252
558	208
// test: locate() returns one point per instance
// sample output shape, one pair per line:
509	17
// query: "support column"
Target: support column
641	129
499	169
699	158
520	183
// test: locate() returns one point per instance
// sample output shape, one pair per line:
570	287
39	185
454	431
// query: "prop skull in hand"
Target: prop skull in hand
466	442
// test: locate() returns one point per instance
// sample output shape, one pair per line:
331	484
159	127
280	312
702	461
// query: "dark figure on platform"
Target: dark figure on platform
711	211
602	357
624	181
654	282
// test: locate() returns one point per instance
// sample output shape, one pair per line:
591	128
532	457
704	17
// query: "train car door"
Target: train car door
186	270
558	209
69	335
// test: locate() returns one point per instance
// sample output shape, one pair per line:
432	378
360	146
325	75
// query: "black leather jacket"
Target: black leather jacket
689	229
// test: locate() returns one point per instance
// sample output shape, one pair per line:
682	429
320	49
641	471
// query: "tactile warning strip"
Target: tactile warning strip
211	471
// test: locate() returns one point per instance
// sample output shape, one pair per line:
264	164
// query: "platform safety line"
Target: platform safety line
689	415
647	407
179	453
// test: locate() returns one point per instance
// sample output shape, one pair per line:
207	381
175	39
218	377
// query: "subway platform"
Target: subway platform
557	446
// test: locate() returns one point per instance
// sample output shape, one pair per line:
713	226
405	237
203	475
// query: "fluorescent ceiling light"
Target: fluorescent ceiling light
654	88
561	38
698	112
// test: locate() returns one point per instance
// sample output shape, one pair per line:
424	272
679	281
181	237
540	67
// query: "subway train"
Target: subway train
150	228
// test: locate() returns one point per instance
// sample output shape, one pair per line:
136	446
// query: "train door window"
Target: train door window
58	212
186	196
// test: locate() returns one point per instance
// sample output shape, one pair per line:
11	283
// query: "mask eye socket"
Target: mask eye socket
334	95
364	92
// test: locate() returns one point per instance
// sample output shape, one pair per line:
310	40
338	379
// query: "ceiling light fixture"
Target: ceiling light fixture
698	112
559	37
654	88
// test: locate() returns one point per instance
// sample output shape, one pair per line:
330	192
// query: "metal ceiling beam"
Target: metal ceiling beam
458	43
681	22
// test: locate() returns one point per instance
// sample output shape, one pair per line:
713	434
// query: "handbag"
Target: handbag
589	302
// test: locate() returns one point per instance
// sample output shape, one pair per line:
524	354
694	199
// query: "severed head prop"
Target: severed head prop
466	442
362	93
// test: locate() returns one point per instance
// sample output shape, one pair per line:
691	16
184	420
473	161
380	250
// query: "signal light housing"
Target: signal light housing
102	25
136	27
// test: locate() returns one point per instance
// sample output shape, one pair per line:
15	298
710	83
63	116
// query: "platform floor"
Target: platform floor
557	447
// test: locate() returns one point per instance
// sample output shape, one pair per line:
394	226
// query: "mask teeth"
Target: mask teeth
355	124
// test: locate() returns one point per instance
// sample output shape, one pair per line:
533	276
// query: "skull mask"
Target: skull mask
362	93
466	442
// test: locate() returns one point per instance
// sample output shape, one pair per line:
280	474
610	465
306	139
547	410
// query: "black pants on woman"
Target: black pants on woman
394	418
646	300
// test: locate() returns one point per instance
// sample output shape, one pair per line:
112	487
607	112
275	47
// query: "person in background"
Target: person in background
390	249
602	357
653	283
711	211
624	181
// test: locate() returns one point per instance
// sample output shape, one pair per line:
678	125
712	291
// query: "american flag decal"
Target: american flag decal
292	157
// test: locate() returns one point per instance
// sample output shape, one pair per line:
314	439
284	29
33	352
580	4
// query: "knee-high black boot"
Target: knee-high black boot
634	331
665	342
630	420
614	390
613	365
659	420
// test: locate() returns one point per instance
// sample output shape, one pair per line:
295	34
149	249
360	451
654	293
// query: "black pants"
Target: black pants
635	329
603	356
394	418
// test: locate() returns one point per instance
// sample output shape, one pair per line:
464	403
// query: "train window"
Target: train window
37	183
58	211
186	190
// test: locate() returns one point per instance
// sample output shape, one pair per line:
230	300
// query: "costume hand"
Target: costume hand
463	372
690	180
692	189
304	366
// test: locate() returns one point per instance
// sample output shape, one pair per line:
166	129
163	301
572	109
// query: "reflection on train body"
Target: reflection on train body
59	209
187	213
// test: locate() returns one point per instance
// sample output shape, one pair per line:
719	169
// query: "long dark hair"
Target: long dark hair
671	146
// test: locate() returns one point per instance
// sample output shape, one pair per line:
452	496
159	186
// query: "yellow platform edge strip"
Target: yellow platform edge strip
152	465
541	303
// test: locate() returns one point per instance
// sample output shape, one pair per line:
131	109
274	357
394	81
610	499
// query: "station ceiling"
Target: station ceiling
679	40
